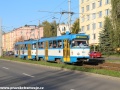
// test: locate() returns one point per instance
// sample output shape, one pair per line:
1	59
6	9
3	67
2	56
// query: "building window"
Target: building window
88	27
100	24
82	28
93	5
82	9
100	3
94	26
107	1
88	17
94	36
100	14
87	8
107	12
82	1
83	19
63	29
93	15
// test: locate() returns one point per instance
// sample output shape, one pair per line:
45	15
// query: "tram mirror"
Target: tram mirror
73	42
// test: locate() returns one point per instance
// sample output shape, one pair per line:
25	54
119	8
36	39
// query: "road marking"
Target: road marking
5	68
27	75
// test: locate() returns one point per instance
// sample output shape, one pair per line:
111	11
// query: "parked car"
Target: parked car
9	53
95	54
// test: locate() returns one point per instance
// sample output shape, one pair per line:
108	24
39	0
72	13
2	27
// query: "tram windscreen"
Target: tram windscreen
79	43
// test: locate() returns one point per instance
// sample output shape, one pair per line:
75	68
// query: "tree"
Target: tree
75	28
107	37
54	28
50	29
47	28
116	21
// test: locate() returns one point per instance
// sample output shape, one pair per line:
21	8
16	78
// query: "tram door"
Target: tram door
66	51
29	51
46	50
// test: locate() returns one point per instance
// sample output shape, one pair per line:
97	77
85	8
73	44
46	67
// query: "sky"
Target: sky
17	13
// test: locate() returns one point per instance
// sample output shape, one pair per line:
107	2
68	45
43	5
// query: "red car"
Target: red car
95	54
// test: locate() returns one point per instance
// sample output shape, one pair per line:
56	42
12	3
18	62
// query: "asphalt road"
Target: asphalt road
13	74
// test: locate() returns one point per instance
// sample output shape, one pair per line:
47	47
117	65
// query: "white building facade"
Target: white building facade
62	28
92	14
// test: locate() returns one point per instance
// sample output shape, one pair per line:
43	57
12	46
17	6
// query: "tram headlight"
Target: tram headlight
88	53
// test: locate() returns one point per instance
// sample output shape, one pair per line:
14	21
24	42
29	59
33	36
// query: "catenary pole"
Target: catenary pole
37	42
69	14
0	37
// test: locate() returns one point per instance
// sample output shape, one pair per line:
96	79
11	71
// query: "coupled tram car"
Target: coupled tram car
69	48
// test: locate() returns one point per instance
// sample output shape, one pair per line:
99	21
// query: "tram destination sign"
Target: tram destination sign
82	37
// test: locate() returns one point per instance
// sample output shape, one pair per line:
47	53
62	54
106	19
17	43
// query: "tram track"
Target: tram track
106	65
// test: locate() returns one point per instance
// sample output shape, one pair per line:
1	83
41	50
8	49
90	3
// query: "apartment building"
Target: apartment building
20	34
92	14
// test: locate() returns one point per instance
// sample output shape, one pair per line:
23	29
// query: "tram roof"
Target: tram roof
27	42
70	36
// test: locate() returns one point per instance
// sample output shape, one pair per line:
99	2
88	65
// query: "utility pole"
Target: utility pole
69	14
37	46
0	38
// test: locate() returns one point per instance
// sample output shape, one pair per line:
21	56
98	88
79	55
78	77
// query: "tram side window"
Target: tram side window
16	47
54	44
25	46
34	46
21	47
59	44
50	44
41	44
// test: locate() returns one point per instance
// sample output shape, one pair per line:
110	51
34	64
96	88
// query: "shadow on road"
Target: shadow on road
50	80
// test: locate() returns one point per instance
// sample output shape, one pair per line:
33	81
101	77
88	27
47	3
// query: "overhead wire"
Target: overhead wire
52	15
49	16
